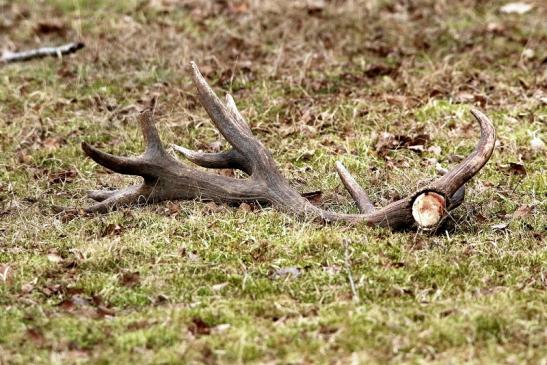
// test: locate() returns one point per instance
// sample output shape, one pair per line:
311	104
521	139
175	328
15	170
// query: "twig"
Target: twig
60	51
347	264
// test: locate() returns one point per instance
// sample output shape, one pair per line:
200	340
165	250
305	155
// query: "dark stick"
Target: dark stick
41	52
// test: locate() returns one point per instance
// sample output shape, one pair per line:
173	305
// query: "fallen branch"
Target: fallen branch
60	51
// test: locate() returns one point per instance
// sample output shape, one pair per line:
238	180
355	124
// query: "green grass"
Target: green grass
193	282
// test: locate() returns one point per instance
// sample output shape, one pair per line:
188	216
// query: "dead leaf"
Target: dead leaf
103	311
51	26
172	208
313	197
379	70
523	211
246	207
130	279
36	336
306	155
27	288
387	142
332	270
238	8
53	143
62	177
517	168
67	304
111	230
212	207
199	327
464	97
138	325
315	7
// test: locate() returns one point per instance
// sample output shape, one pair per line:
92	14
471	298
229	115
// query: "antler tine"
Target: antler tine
449	183
231	159
231	104
357	192
149	131
223	118
132	165
122	165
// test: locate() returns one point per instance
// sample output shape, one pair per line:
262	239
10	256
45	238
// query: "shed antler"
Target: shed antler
166	178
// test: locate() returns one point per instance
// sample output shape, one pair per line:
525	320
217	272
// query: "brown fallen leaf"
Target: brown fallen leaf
379	70
517	168
51	26
313	197
67	304
36	336
199	327
246	207
387	142
111	230
62	177
103	311
238	8
130	279
27	288
523	211
53	143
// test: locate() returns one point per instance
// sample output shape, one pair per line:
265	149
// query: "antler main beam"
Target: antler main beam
166	178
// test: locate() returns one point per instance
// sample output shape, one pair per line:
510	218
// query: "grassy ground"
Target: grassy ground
192	282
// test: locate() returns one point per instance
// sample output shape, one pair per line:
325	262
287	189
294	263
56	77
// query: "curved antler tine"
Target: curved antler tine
358	194
465	170
122	165
231	105
149	131
223	119
231	159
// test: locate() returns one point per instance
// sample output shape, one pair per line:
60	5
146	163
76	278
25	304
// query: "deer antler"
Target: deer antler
166	178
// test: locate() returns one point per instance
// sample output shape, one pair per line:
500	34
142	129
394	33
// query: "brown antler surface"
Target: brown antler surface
166	178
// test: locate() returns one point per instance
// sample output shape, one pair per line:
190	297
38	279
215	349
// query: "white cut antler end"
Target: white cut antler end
428	209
